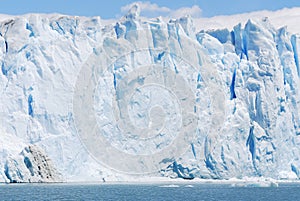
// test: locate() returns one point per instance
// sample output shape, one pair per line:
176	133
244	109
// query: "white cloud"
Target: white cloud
194	11
285	17
149	9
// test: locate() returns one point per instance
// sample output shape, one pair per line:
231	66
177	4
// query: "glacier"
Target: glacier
83	99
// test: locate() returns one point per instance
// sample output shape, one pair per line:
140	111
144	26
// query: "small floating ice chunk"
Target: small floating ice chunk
169	186
256	183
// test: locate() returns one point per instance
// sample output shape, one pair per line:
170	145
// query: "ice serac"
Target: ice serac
41	57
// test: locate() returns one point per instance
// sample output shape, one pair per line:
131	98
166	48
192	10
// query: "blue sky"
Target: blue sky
113	8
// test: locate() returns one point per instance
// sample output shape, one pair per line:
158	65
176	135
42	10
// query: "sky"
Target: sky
109	9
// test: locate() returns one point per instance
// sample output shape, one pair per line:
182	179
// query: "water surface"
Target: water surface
147	192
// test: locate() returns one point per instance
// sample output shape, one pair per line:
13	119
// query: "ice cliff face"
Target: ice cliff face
32	165
226	101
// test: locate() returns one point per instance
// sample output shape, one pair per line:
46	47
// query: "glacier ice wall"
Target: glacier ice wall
243	84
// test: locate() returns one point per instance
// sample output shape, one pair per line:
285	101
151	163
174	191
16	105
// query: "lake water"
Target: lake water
147	192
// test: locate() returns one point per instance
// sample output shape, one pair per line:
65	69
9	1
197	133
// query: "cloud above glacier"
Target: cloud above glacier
149	9
288	17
